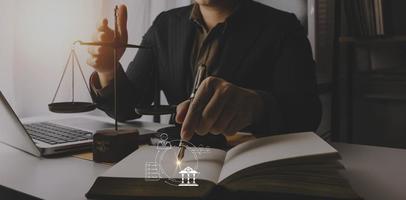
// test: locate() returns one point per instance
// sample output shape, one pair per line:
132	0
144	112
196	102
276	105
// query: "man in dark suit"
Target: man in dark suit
261	75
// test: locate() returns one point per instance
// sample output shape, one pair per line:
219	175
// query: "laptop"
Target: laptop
46	138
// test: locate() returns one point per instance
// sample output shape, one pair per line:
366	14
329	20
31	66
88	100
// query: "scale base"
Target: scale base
71	107
110	145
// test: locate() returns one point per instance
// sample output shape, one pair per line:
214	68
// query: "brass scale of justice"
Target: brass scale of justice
78	107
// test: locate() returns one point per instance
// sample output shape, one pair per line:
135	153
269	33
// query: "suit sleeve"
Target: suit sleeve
135	86
291	99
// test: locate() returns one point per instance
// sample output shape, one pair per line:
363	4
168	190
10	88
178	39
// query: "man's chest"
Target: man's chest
243	58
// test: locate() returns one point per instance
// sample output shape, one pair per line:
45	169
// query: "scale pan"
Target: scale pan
71	107
157	110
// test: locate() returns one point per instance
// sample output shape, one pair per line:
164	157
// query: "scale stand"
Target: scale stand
112	145
115	45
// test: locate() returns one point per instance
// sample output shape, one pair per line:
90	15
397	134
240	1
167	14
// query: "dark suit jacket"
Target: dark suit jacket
264	49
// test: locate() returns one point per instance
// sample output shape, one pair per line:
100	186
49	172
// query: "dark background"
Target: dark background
369	81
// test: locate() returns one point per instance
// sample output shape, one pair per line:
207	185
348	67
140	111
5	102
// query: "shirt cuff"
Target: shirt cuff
107	91
95	83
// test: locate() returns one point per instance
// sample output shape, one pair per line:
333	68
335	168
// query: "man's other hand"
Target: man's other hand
219	107
101	58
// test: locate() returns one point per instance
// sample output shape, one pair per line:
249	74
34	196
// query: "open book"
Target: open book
290	166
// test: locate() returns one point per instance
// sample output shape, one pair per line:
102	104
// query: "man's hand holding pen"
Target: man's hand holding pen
219	107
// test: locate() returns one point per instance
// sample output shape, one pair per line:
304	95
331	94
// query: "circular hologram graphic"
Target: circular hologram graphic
168	155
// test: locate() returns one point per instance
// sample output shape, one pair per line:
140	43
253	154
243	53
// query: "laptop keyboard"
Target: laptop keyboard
56	134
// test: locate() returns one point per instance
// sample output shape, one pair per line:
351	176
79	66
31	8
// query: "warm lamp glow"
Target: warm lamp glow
52	25
43	33
178	162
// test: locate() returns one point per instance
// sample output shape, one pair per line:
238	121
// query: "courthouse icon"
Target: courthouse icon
190	174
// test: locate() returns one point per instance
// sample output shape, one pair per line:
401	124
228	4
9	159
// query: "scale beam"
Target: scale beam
115	45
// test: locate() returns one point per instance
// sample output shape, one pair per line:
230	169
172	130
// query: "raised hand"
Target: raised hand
101	58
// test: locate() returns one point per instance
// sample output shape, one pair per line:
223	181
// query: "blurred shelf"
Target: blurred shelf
373	40
384	98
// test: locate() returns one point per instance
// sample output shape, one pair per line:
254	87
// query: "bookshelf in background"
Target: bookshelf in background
372	18
368	17
371	72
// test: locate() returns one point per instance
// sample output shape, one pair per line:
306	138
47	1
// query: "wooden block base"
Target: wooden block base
112	146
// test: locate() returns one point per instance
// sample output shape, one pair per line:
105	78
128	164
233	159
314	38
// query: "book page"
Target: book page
161	163
273	148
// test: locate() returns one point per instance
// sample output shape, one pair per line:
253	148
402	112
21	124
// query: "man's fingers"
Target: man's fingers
122	23
233	126
93	51
106	36
99	63
99	51
181	111
220	126
212	112
103	25
103	36
104	33
94	61
192	119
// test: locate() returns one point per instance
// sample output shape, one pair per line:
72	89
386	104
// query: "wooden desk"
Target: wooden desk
376	173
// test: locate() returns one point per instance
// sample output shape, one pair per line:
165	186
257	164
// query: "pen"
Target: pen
200	76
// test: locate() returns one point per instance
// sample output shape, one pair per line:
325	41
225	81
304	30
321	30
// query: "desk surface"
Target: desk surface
376	173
